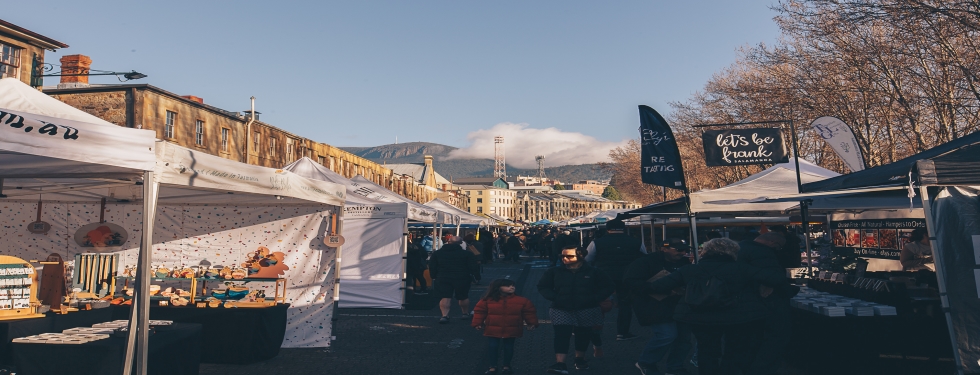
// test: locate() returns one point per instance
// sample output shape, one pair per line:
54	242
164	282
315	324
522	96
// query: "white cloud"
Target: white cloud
522	143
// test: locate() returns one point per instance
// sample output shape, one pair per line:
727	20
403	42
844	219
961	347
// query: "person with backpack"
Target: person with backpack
453	271
657	310
514	248
612	253
575	290
415	266
723	305
502	316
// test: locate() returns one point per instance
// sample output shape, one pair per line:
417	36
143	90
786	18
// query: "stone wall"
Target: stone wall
109	106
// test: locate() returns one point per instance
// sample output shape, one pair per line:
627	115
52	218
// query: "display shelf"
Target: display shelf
20	307
200	284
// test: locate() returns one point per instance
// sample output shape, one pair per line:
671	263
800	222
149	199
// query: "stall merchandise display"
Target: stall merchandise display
54	286
833	305
18	289
235	293
95	273
61	338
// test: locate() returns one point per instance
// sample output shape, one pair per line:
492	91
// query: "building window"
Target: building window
168	127
272	147
322	160
258	142
224	139
199	133
9	61
479	209
479	192
333	163
479	200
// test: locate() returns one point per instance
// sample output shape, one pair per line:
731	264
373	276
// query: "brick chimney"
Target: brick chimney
194	98
74	64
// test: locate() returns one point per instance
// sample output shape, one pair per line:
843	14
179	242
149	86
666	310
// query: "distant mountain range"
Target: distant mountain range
414	152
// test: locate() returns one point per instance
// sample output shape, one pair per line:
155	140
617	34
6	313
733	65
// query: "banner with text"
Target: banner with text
841	138
873	238
660	160
723	148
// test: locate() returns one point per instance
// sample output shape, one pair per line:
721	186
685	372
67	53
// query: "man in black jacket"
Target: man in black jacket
762	252
657	311
453	270
612	253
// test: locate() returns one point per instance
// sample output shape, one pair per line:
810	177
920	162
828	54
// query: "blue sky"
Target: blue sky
360	73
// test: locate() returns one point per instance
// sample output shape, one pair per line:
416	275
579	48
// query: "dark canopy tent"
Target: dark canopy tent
676	207
956	161
946	178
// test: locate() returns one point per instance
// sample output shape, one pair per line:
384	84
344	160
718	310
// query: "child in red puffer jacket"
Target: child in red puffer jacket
501	315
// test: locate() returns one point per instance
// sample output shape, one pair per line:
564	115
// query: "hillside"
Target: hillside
413	152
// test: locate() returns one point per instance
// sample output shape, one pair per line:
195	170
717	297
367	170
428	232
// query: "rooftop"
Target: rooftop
30	36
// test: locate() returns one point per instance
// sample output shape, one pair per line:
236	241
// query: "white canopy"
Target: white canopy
43	137
465	217
372	262
777	180
416	210
356	206
195	177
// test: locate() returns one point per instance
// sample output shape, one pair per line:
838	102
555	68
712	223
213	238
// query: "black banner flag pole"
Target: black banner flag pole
660	162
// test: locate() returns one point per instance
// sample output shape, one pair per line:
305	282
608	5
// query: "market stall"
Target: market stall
372	261
64	175
934	190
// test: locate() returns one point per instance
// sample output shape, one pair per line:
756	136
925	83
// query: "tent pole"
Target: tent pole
940	273
141	323
804	212
338	256
405	280
694	237
642	234
653	237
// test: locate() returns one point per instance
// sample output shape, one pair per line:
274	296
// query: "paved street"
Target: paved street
375	341
410	341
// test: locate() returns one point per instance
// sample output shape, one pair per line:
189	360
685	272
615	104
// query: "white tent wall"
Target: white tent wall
372	266
185	235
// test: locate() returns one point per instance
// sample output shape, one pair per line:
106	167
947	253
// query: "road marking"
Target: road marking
422	342
391	316
455	344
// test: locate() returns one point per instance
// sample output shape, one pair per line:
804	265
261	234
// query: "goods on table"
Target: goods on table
18	289
833	305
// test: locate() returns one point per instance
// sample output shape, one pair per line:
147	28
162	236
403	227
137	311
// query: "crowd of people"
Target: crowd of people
728	313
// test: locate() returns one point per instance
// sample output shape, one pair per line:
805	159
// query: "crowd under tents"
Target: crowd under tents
167	198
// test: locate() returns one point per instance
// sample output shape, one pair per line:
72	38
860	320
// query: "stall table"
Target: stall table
50	323
173	350
230	335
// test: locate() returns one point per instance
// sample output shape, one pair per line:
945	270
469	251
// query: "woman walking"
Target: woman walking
502	315
575	290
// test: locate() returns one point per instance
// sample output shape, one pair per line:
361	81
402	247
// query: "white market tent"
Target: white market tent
465	217
372	260
75	160
416	210
778	180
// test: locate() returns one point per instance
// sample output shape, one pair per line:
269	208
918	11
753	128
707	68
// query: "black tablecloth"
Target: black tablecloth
863	342
51	322
231	335
173	350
